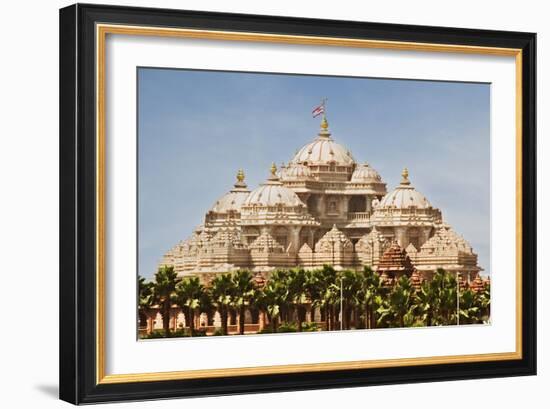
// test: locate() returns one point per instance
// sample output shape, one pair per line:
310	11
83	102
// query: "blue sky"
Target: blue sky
197	128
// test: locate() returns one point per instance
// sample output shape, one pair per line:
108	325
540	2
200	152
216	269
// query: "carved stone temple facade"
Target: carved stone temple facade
323	207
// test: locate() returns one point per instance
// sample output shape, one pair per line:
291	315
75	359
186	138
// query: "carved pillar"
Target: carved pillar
401	236
344	205
295	239
321	206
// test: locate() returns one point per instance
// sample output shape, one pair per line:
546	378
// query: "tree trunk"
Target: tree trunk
241	319
299	317
191	322
224	320
166	319
274	324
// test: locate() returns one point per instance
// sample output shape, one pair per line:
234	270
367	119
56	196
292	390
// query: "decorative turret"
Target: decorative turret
232	200
477	285
272	193
266	243
416	280
395	262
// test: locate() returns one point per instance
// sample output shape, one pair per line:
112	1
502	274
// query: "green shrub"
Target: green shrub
287	327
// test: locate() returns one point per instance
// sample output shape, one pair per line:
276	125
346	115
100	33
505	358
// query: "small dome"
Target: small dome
234	199
295	171
272	193
324	150
404	196
365	174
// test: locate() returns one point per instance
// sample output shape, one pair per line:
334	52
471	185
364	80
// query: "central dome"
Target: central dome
323	150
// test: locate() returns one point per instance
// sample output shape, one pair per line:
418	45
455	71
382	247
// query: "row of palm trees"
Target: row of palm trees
346	300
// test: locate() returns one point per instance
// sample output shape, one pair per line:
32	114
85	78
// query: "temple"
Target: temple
323	207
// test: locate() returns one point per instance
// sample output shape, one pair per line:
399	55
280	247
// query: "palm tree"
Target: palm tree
323	294
244	294
145	295
222	291
351	282
297	283
427	303
483	299
164	288
469	308
437	299
398	310
189	296
272	299
371	294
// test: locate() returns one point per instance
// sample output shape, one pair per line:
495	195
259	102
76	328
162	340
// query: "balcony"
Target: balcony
358	216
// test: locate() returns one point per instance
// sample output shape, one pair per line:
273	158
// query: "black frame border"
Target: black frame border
78	197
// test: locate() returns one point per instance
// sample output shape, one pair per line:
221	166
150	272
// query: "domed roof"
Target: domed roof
365	174
324	150
272	193
295	171
404	196
234	199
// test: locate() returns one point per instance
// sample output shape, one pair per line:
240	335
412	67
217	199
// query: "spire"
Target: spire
273	178
240	175
240	185
324	123
323	131
322	109
405	177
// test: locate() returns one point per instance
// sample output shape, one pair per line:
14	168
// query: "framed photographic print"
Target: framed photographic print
258	203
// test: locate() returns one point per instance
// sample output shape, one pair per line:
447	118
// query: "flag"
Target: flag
318	110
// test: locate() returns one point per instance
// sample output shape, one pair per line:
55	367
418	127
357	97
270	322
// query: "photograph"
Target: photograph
277	203
259	202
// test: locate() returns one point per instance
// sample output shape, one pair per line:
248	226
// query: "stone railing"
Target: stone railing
359	216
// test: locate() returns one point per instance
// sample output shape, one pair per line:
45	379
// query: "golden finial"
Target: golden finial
240	176
273	169
324	123
405	176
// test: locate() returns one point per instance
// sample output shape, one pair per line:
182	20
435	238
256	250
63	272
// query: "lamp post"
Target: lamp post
341	303
457	298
